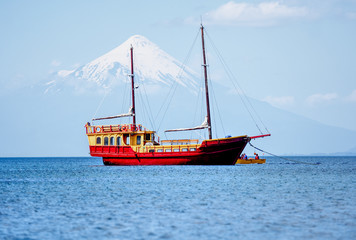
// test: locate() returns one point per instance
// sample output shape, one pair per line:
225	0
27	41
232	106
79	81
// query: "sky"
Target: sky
298	55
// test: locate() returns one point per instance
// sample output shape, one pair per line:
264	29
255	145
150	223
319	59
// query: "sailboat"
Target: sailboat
133	144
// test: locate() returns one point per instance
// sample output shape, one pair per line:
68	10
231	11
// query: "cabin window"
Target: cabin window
176	150
148	137
106	141
192	149
184	149
168	150
118	141
138	142
98	140
151	150
112	141
159	150
127	139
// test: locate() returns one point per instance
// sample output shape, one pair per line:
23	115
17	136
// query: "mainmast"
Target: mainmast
206	83
133	89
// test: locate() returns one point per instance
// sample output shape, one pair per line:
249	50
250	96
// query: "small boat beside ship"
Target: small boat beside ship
245	160
250	161
133	144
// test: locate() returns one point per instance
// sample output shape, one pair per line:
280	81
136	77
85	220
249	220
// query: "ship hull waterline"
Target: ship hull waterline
211	152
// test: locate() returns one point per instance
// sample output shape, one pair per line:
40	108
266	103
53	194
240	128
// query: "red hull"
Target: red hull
212	152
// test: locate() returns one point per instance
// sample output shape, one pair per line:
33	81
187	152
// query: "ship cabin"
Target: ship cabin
112	138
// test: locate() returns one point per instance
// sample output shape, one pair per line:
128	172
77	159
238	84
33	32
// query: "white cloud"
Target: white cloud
76	65
319	98
64	73
352	97
283	101
261	14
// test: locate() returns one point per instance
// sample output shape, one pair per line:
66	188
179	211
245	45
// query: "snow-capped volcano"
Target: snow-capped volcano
151	65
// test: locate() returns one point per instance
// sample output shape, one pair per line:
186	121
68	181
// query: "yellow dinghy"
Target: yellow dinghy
250	161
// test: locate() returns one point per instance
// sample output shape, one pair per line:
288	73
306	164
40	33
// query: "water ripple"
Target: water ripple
78	198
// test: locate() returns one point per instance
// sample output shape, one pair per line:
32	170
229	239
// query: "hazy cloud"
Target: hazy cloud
283	101
319	98
76	65
261	14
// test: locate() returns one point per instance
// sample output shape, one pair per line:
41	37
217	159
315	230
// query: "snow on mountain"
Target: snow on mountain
151	65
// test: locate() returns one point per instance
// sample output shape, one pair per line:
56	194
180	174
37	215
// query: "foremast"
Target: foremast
133	89
206	84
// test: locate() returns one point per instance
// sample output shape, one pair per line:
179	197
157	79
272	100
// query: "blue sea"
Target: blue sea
79	198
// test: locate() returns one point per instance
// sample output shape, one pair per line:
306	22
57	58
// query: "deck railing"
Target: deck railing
180	142
166	148
114	128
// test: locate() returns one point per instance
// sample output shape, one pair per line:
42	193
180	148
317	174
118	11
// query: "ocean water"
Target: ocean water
79	198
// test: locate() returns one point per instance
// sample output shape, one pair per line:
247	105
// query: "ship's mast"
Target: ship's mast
133	89
206	83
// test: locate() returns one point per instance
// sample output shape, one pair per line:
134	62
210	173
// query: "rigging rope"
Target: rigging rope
165	100
232	78
150	117
218	111
101	103
175	84
198	103
287	159
144	110
216	105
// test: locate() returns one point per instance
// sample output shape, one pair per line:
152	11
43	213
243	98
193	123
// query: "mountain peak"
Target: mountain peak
137	42
151	65
137	38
